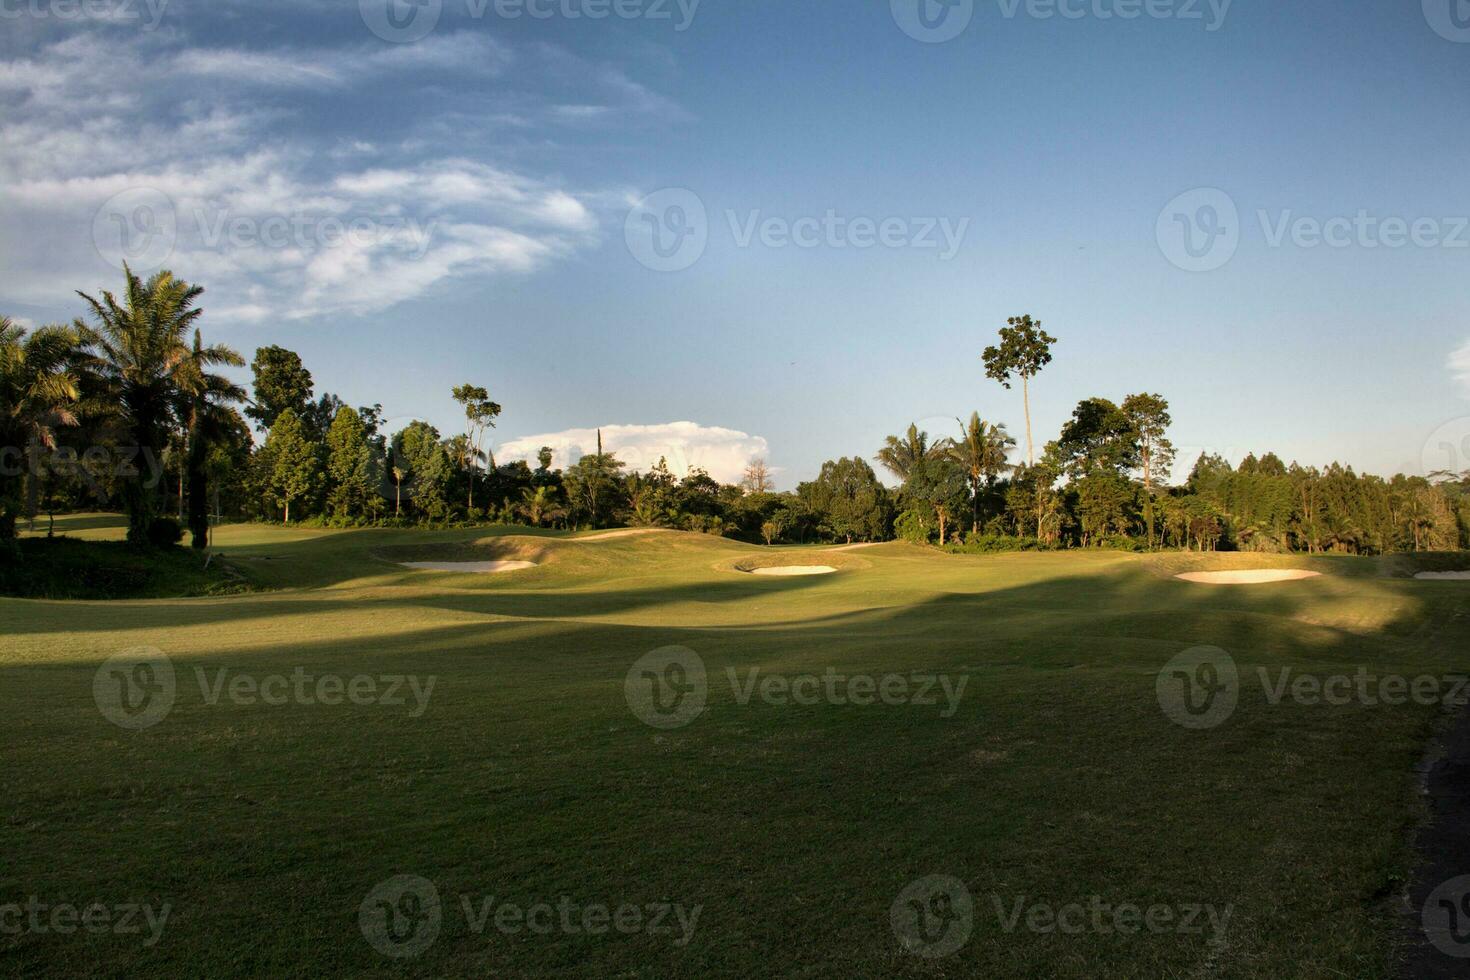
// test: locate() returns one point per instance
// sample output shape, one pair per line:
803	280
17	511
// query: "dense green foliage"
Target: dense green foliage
131	383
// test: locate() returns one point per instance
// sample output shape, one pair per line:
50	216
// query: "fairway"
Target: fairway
1011	735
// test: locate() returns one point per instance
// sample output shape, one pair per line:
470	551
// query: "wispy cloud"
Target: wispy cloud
245	160
1459	365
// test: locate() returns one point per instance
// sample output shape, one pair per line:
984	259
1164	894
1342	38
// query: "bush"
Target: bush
164	532
1120	542
912	525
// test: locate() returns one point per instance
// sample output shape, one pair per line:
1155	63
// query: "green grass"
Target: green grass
71	568
794	827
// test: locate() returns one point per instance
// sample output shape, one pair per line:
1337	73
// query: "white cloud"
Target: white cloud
723	453
256	67
1459	365
208	134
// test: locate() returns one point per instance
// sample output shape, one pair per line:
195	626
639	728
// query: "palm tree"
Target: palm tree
538	505
901	455
38	385
204	408
141	356
981	451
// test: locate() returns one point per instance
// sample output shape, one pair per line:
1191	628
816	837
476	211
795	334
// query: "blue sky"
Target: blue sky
492	166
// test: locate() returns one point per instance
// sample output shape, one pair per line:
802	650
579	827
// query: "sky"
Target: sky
778	228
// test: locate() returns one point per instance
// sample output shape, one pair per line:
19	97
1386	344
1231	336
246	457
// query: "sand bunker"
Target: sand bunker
477	567
794	570
1250	576
1443	576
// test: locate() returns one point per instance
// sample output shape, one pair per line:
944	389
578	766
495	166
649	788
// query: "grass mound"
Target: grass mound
1407	566
65	568
488	549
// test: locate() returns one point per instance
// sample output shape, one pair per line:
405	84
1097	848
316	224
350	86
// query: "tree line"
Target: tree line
125	408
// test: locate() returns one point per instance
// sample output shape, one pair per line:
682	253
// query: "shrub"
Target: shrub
1120	542
912	525
164	532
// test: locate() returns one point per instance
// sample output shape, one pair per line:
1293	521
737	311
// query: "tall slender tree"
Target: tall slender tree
1024	349
1149	417
480	414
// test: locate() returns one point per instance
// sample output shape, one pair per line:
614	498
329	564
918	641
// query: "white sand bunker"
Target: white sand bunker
1443	576
476	567
1248	576
794	570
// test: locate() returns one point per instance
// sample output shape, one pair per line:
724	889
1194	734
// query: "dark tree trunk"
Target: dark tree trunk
198	497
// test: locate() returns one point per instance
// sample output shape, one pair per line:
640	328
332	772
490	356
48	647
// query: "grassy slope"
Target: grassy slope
795	827
70	568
